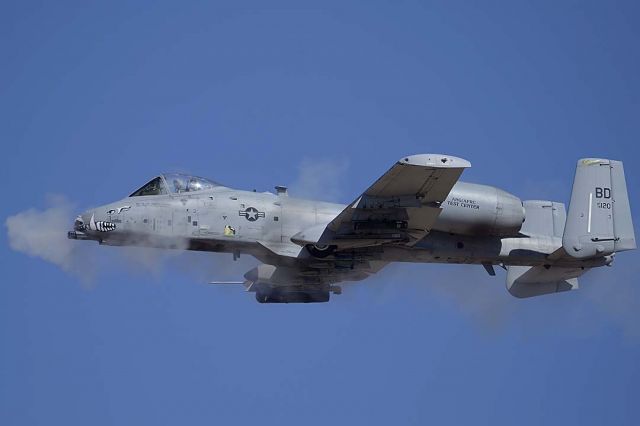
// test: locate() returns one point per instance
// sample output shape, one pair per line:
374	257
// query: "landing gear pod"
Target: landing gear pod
285	295
320	251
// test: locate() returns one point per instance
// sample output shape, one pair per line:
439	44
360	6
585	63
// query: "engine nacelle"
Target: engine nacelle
472	209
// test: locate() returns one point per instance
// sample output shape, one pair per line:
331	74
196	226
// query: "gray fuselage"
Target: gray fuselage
478	224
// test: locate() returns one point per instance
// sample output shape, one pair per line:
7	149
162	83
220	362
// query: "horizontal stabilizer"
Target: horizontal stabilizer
527	281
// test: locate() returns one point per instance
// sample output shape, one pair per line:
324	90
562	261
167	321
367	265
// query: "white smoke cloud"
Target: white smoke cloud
614	292
43	234
607	302
466	288
320	179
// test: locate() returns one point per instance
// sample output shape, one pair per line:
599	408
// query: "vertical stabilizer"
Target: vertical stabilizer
599	219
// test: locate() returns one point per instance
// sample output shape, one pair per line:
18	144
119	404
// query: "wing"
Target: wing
400	207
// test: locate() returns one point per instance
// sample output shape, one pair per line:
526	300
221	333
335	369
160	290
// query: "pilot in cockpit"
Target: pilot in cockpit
194	185
177	185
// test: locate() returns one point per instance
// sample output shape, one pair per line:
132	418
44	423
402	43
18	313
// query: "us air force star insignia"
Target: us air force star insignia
251	213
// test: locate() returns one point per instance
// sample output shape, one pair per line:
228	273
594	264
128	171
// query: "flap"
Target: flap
309	236
282	249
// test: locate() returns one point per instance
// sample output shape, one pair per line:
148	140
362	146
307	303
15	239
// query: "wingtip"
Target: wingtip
435	160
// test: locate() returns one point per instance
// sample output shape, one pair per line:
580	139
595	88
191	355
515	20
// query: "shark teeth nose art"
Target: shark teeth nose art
101	226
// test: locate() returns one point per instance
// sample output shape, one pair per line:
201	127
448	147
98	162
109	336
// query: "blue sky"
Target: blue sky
96	98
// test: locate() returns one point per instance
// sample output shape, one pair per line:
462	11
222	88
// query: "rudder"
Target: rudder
622	223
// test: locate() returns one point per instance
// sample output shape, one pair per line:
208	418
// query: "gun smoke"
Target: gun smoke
42	233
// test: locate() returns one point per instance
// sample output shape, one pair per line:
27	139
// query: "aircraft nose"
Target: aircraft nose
81	222
97	223
80	226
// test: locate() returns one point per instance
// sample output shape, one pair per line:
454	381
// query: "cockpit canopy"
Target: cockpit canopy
174	183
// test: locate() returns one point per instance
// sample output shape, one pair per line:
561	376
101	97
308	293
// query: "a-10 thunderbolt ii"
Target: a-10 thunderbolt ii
417	211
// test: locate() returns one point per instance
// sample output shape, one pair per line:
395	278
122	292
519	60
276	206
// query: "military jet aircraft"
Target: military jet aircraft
418	211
